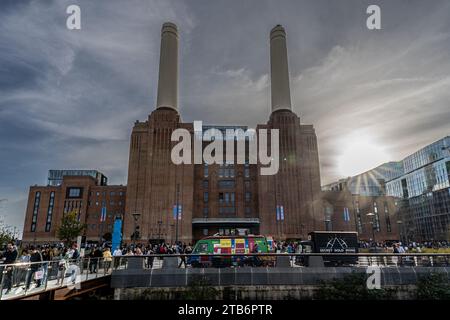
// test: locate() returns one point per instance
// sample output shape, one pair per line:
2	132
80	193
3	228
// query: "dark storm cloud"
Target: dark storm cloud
68	99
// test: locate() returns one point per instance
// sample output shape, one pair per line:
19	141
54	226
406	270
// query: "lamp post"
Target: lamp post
136	216
327	224
372	215
178	212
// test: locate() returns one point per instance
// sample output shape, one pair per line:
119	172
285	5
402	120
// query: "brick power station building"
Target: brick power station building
221	198
226	198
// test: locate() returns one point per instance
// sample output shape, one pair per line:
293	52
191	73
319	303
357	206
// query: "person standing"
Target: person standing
35	257
10	257
117	254
21	271
107	258
46	259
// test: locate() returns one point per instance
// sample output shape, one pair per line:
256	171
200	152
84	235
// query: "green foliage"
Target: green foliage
351	287
200	289
70	227
434	286
5	236
107	236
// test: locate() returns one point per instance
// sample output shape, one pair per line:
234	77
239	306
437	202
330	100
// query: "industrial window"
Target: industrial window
388	219
226	184
74	192
248	196
205	197
227	210
37	200
51	204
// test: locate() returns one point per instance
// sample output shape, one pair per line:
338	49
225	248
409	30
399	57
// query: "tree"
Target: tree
70	227
5	236
107	236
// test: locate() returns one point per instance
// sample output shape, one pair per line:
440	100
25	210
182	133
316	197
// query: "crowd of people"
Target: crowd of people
400	247
32	264
35	260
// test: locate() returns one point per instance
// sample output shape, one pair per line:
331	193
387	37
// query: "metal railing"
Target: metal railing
157	261
29	278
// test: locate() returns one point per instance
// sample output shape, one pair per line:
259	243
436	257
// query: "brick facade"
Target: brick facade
42	227
358	206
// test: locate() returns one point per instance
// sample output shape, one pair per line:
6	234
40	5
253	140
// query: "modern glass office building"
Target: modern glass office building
55	177
370	183
424	193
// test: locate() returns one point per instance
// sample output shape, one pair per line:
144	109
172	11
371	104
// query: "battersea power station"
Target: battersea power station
186	202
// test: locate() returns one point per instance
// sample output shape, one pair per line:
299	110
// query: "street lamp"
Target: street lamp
177	213
372	215
136	216
327	224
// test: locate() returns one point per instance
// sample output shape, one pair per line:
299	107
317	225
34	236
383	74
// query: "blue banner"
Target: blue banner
117	235
103	214
175	212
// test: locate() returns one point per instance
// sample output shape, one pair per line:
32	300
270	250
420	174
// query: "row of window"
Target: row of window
227	210
376	222
433	177
51	204
37	200
112	193
103	203
226	184
227	197
225	172
97	226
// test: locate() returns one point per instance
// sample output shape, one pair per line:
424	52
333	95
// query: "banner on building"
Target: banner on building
175	213
346	215
103	214
117	234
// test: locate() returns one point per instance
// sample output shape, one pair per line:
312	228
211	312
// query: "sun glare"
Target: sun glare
359	154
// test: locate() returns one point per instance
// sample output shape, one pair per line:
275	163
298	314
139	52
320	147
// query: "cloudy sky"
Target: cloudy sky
68	99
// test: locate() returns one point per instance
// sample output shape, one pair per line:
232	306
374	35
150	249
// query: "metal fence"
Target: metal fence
29	278
294	260
24	279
